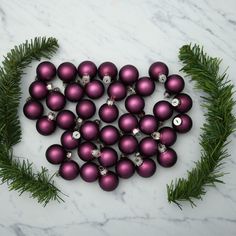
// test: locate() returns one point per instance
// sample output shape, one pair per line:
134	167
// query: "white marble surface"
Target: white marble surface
136	32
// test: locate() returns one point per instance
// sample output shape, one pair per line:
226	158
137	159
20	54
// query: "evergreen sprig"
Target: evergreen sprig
20	175
220	122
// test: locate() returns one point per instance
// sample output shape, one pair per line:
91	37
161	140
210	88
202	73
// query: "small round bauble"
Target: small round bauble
182	103
85	150
174	84
94	89
67	72
134	104
69	141
55	100
128	122
125	168
163	110
109	181
145	86
167	158
109	135
69	170
147	168
45	125
89	130
89	172
38	90
74	92
85	109
33	109
148	124
66	119
108	113
128	75
182	123
128	144
87	68
46	71
107	71
158	71
117	91
55	154
108	157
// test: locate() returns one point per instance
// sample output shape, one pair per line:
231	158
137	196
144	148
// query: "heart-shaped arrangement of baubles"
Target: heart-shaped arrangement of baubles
138	136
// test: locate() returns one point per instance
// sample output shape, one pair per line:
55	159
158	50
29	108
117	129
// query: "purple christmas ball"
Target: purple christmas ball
87	68
128	74
46	71
89	172
107	71
128	144
85	150
117	91
109	181
108	157
66	119
147	168
167	136
69	170
74	92
134	104
108	113
128	122
167	158
33	109
125	168
67	72
145	86
182	123
94	89
174	84
68	141
148	124
85	109
45	125
55	154
89	130
148	147
38	90
55	100
158	71
163	110
182	103
109	135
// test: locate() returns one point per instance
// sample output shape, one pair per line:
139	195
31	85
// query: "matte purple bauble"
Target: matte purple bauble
128	122
174	84
33	109
167	158
158	71
163	110
66	119
107	69
128	74
89	130
108	113
46	71
68	141
87	68
55	154
128	144
117	91
69	170
182	123
45	125
109	135
67	72
89	172
109	181
147	168
182	103
145	86
55	101
85	109
125	168
38	90
148	124
134	104
94	89
74	92
148	147
108	157
167	136
85	150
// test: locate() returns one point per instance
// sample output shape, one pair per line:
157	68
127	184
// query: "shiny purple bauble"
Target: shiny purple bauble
89	130
117	91
128	144
89	172
168	136
145	86
107	69
69	170
157	69
182	103
33	109
167	158
66	119
128	74
67	72
38	90
125	168
55	101
147	168
109	135
109	181
108	157
87	68
163	110
74	92
46	71
68	141
148	124
94	89
182	123
85	151
148	147
108	113
45	126
127	122
55	154
134	104
85	109
174	84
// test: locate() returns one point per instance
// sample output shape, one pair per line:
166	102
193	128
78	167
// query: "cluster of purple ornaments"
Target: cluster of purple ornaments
93	142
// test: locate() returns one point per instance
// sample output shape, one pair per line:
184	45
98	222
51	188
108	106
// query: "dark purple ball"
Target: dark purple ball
158	69
87	68
148	124
148	147
167	136
68	141
182	123
109	135
46	71
145	86
74	92
182	103
108	113
55	101
89	130
128	144
167	158
128	74
66	119
67	72
134	104
125	168
69	170
89	172
147	168
163	110
85	151
174	84
33	109
38	90
45	126
128	122
107	69
109	181
85	109
55	154
94	89
108	157
117	91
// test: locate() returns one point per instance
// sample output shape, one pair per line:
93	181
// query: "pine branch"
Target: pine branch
220	122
